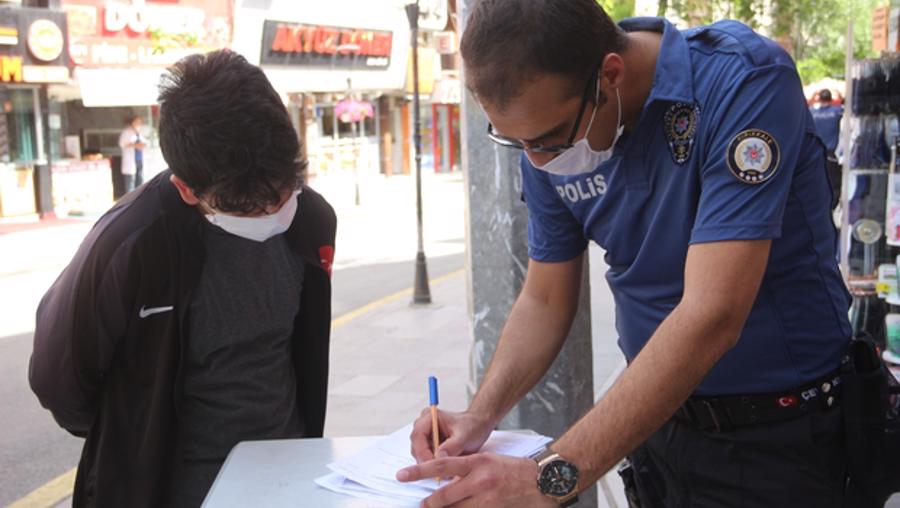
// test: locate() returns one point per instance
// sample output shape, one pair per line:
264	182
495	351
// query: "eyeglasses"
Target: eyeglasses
555	149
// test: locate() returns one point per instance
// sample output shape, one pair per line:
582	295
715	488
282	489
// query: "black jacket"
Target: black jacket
110	371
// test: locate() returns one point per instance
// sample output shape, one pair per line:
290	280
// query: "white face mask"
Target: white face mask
259	228
581	158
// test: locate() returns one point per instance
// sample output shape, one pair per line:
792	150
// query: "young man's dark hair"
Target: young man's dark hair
825	95
506	42
225	132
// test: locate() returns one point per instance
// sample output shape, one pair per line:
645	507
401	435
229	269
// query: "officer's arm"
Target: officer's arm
532	337
721	283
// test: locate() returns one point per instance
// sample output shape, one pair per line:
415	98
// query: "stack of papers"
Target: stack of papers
371	473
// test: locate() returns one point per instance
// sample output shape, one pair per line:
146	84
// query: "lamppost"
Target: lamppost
421	291
353	123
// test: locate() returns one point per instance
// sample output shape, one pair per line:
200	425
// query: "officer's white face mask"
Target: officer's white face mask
259	228
581	158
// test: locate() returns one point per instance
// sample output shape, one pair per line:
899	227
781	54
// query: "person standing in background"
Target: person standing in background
827	118
132	144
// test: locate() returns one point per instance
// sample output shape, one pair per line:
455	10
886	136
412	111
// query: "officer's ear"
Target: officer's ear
187	194
613	71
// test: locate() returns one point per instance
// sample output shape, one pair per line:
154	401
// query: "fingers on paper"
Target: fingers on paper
438	468
420	439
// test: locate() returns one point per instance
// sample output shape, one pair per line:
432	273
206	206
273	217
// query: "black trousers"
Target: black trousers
794	464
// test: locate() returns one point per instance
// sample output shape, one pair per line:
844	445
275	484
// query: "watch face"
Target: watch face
558	479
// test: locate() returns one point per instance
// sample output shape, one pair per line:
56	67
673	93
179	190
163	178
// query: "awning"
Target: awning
108	87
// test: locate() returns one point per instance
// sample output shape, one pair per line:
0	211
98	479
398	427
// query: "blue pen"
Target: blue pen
433	402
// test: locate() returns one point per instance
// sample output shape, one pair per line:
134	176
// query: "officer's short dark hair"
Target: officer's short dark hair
224	130
825	95
507	42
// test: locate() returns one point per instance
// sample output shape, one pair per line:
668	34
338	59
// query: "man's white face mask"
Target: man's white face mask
581	158
259	228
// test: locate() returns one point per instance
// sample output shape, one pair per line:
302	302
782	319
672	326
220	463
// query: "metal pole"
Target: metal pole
43	173
846	127
353	125
355	128
421	291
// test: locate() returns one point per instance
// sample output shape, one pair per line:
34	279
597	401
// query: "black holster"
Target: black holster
872	425
626	472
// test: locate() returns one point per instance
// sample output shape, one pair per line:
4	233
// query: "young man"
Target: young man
705	183
196	314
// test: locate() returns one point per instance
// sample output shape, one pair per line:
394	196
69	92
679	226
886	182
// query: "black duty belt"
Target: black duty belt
729	412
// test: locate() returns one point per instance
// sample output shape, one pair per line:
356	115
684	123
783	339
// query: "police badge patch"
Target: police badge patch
753	156
681	127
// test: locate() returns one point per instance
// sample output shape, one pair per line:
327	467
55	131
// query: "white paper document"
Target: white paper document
370	473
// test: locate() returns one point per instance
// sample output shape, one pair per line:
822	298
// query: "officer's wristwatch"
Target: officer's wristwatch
557	478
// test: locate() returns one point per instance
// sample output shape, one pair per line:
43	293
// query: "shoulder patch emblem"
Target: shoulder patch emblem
753	156
681	127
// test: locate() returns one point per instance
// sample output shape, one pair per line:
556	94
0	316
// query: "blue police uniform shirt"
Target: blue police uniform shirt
725	149
828	124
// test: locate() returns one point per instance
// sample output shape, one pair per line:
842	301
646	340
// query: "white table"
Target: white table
281	473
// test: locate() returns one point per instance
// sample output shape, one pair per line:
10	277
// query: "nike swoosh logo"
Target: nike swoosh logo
145	312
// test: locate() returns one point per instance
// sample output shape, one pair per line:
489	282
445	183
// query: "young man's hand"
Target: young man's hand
483	479
461	434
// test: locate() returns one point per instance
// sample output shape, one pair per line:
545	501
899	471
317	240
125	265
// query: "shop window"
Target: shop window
325	116
345	129
18	135
369	126
105	141
328	124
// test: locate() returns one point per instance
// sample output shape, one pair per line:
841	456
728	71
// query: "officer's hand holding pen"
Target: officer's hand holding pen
461	434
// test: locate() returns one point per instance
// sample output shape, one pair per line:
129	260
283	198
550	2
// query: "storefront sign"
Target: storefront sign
295	44
45	74
433	15
38	56
45	40
145	33
11	69
9	36
445	42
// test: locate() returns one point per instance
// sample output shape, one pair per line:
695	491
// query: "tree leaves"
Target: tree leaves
813	31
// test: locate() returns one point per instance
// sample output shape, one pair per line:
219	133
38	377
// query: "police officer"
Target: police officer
691	158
